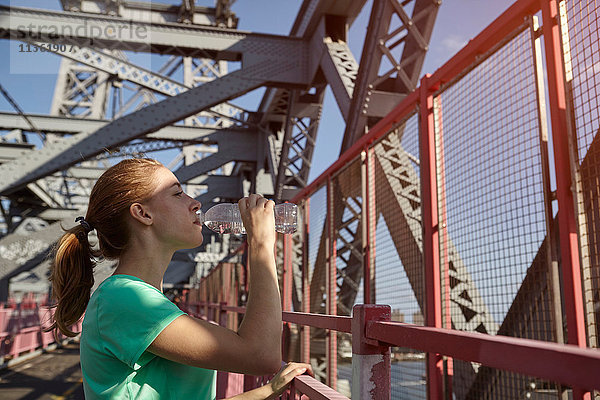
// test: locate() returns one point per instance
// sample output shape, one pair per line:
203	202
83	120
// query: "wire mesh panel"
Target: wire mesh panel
317	262
581	46
495	274
347	209
399	273
317	256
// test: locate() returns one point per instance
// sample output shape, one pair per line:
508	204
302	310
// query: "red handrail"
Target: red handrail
567	364
314	389
571	365
333	322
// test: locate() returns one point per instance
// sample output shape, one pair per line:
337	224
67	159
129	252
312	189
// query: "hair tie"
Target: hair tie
86	225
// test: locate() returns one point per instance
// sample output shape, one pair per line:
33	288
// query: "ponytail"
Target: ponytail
72	277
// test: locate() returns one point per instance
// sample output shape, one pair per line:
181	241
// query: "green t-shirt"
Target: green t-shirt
123	317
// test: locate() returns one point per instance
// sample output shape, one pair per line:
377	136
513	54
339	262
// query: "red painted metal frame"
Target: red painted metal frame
372	357
443	227
566	205
333	322
556	362
331	285
316	390
567	221
368	225
429	218
305	344
569	364
287	273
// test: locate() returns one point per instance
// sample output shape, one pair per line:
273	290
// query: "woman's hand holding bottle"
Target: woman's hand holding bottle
259	221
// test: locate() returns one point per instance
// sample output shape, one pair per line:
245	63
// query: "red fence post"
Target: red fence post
370	359
286	299
331	287
431	253
567	221
368	224
305	344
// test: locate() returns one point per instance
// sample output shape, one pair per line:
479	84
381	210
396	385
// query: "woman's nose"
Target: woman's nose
196	205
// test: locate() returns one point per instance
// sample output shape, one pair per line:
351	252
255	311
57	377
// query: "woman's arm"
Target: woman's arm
256	347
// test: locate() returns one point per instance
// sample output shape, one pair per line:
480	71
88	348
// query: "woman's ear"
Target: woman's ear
140	213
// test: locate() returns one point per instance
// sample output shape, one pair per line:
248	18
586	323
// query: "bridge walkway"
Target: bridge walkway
54	375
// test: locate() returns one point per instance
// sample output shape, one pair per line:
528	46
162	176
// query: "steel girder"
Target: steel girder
286	69
354	86
72	126
294	118
340	69
80	90
375	92
20	253
157	12
117	34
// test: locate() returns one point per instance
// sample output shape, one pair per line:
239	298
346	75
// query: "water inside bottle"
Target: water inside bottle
236	228
285	227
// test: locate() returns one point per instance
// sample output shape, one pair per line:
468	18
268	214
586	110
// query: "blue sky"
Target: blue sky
457	22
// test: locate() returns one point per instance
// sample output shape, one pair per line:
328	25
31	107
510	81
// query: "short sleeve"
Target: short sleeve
131	314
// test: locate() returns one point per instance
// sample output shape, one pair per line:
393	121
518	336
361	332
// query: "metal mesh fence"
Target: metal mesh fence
399	274
495	276
347	212
317	256
581	45
317	261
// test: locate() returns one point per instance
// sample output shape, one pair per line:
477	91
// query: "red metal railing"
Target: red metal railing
21	330
570	365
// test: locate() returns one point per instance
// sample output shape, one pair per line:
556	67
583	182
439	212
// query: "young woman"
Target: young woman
135	343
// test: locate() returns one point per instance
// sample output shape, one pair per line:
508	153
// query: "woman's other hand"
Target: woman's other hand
259	219
285	376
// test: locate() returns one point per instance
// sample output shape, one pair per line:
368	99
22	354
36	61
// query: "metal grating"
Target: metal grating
491	209
317	261
318	214
347	209
399	274
581	46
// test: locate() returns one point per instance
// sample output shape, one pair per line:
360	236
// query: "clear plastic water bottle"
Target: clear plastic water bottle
225	218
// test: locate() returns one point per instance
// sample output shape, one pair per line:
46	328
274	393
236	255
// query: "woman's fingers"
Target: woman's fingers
254	199
287	374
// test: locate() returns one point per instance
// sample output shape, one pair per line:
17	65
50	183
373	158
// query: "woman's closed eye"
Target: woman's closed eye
178	194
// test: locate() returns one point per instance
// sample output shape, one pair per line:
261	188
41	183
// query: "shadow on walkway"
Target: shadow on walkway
55	375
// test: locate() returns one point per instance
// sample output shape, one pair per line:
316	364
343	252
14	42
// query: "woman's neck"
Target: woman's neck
145	261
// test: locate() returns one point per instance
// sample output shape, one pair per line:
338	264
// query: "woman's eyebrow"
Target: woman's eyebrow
176	184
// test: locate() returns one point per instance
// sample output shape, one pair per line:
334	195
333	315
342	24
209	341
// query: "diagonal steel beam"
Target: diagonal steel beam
340	69
377	92
100	31
72	126
72	150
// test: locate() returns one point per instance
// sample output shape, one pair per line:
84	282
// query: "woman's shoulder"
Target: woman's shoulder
120	281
